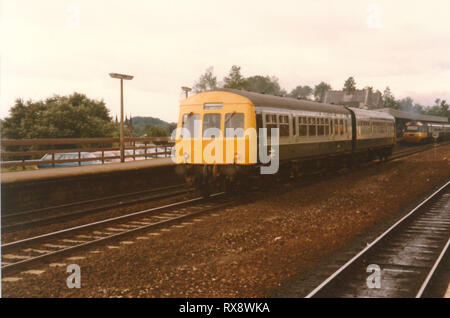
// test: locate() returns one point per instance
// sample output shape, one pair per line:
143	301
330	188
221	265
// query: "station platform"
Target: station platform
34	189
67	172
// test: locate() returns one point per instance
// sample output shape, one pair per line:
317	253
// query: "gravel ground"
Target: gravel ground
88	218
249	250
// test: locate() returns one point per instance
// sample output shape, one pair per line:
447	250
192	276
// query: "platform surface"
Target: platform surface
54	173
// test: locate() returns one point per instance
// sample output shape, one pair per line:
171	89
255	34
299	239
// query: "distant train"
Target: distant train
311	135
420	132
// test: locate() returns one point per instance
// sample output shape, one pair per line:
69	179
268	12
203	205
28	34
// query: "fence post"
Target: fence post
145	150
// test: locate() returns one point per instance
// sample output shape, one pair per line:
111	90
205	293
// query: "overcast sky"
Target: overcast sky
58	47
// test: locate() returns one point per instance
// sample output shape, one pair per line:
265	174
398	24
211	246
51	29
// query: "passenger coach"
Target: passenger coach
311	135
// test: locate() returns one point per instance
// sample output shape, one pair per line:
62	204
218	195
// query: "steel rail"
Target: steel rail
78	203
13	267
71	215
373	243
15	244
433	270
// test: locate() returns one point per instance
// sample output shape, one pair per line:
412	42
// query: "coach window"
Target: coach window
341	126
327	127
302	127
235	121
312	127
191	124
320	127
210	121
284	126
271	122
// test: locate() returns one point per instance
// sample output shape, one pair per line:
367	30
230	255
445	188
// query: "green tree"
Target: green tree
444	107
388	99
73	116
301	92
206	82
234	79
320	91
406	104
158	131
418	108
350	85
264	85
440	108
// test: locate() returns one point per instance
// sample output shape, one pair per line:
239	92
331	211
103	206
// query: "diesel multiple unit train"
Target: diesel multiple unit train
219	136
420	132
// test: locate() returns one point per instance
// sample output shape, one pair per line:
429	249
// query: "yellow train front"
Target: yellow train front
215	138
416	132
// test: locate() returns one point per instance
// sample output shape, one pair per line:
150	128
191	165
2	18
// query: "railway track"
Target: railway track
19	221
18	255
402	261
12	222
404	152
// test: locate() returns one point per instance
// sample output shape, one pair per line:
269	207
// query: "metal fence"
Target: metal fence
28	152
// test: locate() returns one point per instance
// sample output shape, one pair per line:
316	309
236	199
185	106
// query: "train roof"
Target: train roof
272	101
370	114
414	116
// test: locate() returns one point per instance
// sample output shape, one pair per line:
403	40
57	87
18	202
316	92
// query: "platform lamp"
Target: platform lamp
121	77
186	90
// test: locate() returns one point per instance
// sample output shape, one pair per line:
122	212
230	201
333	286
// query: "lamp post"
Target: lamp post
186	90
121	77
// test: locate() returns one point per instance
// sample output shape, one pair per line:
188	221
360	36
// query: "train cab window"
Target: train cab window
412	128
190	125
210	121
234	125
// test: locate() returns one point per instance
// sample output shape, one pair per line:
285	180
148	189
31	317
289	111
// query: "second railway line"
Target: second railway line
406	255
